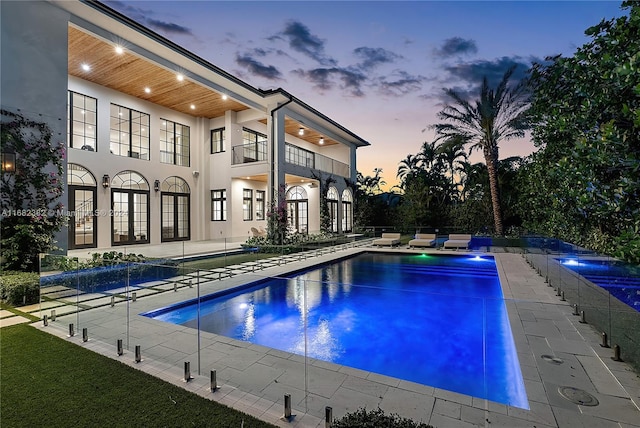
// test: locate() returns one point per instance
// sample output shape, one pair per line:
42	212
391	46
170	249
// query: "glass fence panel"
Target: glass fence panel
59	293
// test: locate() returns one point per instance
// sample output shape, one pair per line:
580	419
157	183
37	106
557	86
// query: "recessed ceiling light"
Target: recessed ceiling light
119	50
193	107
321	140
147	90
301	131
86	67
224	97
180	77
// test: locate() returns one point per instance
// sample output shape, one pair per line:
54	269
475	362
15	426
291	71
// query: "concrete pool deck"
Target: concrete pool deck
254	379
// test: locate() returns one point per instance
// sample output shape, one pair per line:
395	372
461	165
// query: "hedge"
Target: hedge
19	288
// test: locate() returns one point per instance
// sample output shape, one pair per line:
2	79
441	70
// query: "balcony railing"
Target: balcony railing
247	153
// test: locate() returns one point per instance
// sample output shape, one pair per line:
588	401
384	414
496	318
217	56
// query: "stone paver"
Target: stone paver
6	322
254	379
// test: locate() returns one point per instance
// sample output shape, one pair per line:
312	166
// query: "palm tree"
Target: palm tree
451	151
408	167
497	115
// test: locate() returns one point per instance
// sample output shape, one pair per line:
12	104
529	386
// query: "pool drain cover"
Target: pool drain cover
578	396
552	359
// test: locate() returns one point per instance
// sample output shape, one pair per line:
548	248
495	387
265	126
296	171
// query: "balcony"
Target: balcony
319	162
247	153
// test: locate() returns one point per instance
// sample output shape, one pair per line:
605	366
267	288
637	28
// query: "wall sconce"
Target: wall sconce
301	131
8	162
156	185
105	181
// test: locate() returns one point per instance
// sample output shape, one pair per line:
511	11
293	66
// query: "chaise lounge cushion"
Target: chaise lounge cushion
458	241
388	239
423	240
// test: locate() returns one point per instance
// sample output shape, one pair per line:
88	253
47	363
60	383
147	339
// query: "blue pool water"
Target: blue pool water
434	320
620	279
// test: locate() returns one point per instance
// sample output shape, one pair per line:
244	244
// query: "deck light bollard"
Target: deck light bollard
175	286
45	322
605	342
85	334
71	332
328	417
138	354
134	296
119	347
53	314
616	353
583	319
214	381
113	301
287	407
575	309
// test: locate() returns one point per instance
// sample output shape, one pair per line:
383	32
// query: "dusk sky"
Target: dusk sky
375	67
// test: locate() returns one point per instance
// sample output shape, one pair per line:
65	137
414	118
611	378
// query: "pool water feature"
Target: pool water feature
435	320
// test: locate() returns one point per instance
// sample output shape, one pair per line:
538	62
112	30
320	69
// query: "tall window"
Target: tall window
347	211
217	140
175	218
332	202
247	204
129	132
298	209
82	120
174	143
218	205
130	205
82	206
260	204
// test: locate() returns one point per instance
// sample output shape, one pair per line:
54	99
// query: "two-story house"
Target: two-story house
163	145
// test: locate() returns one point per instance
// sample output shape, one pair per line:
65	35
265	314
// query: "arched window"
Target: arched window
298	209
332	202
82	207
176	218
130	205
347	211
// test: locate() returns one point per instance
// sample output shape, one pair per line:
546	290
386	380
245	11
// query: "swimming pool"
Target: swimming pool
435	320
620	279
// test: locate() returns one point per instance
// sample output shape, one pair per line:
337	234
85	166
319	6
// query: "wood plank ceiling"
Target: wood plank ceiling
131	74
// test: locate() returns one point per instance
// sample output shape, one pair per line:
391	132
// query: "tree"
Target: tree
31	212
497	115
583	185
452	154
408	166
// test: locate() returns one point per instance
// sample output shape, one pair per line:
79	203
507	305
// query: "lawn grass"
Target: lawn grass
46	381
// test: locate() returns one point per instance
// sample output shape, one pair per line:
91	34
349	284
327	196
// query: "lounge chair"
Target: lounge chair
423	240
458	241
389	239
257	233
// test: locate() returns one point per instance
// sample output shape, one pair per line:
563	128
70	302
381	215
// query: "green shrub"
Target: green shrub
376	419
19	288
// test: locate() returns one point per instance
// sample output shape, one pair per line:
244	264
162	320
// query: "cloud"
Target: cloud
328	78
400	83
455	46
301	40
257	68
372	57
167	27
143	16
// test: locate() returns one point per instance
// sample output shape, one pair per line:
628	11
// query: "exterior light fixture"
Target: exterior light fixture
180	77
156	185
86	67
321	140
119	50
105	181
224	97
193	106
147	90
301	131
8	162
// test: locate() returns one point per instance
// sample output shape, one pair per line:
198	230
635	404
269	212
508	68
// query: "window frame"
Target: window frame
71	120
222	143
247	204
175	156
260	204
219	204
131	134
